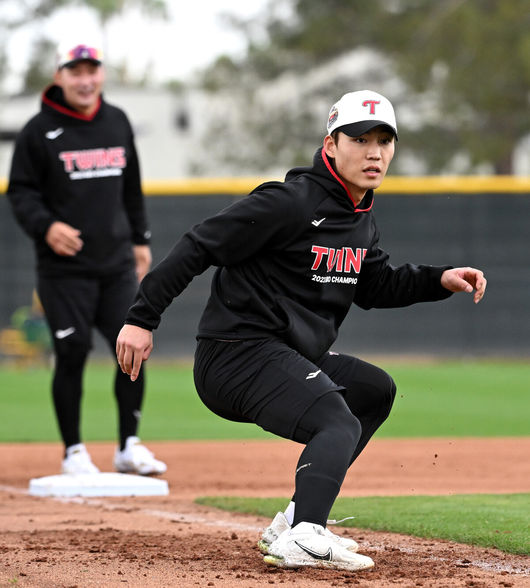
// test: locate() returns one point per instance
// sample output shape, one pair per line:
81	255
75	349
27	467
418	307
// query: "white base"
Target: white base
102	484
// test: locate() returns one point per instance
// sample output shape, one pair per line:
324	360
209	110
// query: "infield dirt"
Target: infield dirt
172	542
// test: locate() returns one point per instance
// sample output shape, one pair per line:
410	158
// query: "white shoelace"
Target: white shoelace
337	522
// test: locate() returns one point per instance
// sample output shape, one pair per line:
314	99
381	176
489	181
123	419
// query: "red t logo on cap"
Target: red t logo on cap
372	104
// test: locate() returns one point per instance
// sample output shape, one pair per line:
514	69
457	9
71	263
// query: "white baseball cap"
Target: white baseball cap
358	112
68	54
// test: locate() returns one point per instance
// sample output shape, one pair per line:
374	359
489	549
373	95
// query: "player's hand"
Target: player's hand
143	259
64	239
465	279
133	346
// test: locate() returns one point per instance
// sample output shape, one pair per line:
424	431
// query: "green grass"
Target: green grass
486	520
485	399
443	399
172	410
448	399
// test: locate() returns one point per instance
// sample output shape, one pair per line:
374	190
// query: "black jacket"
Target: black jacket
293	256
82	171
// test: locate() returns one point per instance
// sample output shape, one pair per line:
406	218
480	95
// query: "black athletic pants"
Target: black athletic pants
333	406
73	307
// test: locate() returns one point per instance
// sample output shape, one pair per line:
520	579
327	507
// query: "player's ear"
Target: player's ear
330	146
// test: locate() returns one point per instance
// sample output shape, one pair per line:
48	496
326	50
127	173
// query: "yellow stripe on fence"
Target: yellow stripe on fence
391	185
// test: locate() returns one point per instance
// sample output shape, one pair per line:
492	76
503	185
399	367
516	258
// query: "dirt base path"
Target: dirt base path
170	541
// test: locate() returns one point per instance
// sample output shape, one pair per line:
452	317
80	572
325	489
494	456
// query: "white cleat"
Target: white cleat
137	459
77	461
280	524
273	531
345	542
308	545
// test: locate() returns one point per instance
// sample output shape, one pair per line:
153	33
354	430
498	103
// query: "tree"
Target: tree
106	9
17	14
37	76
38	11
463	68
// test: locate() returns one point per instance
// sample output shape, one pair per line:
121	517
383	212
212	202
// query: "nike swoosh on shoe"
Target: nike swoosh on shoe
314	554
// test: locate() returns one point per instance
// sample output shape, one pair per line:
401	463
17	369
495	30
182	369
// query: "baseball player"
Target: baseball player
291	259
75	189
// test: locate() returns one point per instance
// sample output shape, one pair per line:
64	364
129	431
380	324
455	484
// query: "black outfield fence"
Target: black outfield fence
481	222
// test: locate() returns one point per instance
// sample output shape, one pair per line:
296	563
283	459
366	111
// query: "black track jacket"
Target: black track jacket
292	256
82	171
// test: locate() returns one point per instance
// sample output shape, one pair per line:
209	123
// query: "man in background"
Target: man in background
75	189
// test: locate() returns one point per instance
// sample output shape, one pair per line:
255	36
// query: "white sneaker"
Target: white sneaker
280	524
308	545
77	461
137	459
